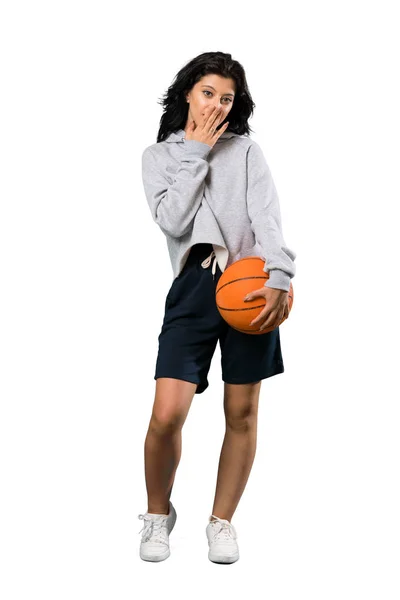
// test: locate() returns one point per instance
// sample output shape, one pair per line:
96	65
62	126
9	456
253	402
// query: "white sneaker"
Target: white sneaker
154	545
223	547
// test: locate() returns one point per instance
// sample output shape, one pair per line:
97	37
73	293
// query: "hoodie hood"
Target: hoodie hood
179	136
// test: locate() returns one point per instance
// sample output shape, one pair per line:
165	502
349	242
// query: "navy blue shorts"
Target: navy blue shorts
192	326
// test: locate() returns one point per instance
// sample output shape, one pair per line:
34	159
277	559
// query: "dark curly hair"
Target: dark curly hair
174	102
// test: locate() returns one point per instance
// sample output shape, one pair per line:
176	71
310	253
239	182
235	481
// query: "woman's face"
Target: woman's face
211	89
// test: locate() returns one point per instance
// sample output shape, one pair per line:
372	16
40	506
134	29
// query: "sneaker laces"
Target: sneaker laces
154	529
224	530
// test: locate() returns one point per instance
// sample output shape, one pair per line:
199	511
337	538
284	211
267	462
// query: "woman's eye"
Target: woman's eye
207	92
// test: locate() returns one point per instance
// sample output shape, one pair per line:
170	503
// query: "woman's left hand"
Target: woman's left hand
276	306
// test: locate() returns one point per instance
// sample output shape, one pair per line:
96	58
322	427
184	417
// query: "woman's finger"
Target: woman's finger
211	119
272	319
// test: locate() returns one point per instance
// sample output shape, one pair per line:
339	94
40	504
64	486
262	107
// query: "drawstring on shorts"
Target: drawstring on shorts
207	261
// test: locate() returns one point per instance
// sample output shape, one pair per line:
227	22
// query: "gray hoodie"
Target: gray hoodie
223	195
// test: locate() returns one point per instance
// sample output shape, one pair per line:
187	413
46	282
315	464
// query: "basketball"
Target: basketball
239	279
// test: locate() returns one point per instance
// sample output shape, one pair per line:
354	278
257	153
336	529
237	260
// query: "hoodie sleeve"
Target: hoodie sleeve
264	213
174	207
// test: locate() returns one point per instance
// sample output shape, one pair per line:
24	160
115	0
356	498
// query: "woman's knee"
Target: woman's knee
171	404
241	405
165	422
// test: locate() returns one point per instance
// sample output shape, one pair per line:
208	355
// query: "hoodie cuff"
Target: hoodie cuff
278	279
196	148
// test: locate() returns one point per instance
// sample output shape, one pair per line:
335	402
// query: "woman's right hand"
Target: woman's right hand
207	132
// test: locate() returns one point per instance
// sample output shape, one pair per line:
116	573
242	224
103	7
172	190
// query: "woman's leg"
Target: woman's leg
238	448
163	442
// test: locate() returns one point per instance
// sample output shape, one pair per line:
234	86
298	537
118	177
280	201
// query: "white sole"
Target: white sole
223	559
157	558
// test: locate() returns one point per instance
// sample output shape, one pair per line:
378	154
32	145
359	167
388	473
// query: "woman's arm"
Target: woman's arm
264	213
174	207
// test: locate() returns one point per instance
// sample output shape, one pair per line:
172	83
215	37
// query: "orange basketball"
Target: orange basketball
238	280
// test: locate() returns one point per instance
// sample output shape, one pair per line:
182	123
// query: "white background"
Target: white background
85	271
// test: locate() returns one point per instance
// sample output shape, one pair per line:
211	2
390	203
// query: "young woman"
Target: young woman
210	191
